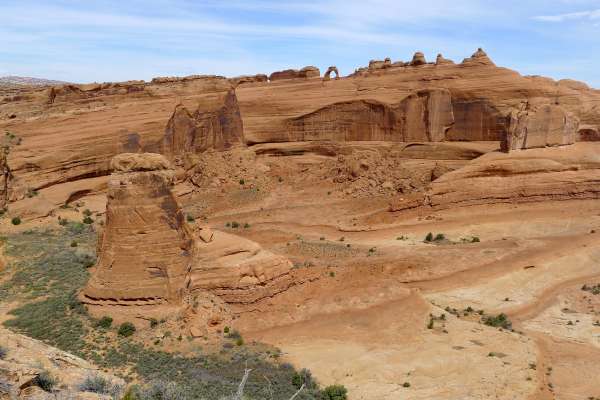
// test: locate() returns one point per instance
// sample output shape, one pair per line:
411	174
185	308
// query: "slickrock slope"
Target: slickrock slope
27	358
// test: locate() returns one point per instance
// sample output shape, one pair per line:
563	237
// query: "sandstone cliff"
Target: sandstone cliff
216	124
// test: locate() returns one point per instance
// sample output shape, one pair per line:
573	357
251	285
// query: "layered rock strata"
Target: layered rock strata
216	124
422	116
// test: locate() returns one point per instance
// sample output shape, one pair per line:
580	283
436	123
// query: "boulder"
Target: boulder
541	126
479	58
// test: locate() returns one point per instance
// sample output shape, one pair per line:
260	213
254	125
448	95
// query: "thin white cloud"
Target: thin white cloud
581	15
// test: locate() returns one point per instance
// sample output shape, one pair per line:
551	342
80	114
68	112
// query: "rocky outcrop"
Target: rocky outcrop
440	60
149	255
237	270
378	64
241	80
4	178
216	124
546	125
422	116
480	58
330	70
27	358
145	249
418	59
304	73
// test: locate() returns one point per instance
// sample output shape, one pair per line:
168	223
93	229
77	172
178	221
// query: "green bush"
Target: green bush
88	220
126	329
498	321
104	322
439	237
242	182
45	381
246	225
406	384
334	392
16	221
429	237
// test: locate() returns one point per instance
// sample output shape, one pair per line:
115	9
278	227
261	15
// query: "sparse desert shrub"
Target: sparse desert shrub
45	381
429	237
160	390
88	220
234	334
475	239
190	218
498	321
235	224
226	329
153	322
335	392
242	182
87	212
126	329
63	221
98	384
16	221
406	384
246	225
104	322
74	243
439	237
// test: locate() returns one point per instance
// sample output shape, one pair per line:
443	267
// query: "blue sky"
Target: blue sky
110	40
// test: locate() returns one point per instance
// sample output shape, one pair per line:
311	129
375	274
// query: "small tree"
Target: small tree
104	322
16	221
429	237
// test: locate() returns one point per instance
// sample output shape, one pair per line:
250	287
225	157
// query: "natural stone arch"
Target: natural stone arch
331	69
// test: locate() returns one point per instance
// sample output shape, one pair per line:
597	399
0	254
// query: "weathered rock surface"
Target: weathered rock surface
547	125
418	59
148	254
306	72
422	116
588	133
145	249
216	124
27	358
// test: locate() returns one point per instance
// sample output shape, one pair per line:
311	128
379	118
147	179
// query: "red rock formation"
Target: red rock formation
330	70
214	125
418	59
306	72
476	120
546	125
422	116
145	249
148	255
440	60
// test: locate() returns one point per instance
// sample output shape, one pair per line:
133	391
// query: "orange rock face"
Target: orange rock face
547	125
145	249
422	116
214	125
148	255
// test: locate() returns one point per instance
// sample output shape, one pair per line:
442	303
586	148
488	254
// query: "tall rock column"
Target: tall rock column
145	249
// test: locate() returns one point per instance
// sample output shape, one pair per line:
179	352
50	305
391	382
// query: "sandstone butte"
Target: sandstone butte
294	206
